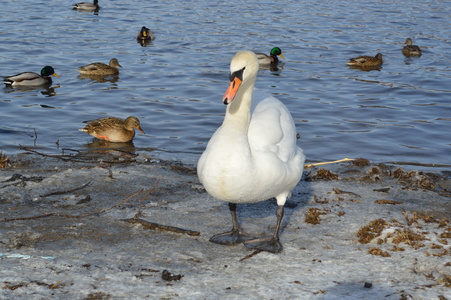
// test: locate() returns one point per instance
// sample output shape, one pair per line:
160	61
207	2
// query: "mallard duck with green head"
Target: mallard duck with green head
31	78
86	6
145	34
366	61
113	129
272	58
410	49
99	68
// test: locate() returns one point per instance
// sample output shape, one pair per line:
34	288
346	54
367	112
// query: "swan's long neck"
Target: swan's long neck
238	113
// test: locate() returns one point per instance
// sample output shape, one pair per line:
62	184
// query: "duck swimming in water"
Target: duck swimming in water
410	49
253	156
145	34
86	6
31	78
366	61
272	58
99	68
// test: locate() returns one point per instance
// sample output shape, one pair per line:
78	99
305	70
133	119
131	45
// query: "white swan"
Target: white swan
253	156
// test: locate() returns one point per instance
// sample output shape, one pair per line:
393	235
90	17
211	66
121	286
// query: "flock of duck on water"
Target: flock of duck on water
253	156
373	62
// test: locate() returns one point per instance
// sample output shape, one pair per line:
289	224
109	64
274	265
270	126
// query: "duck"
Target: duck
145	34
272	58
86	6
99	68
31	78
411	50
253	155
112	129
366	61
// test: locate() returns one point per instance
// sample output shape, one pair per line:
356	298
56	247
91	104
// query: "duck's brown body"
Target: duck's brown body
366	61
410	49
113	129
99	68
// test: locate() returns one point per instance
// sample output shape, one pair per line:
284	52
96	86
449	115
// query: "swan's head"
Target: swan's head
243	71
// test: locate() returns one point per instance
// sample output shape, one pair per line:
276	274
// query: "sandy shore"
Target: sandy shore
351	231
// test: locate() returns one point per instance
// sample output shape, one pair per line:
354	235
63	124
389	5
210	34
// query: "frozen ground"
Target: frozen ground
104	257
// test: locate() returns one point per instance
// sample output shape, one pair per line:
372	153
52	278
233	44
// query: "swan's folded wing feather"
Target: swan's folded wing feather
272	128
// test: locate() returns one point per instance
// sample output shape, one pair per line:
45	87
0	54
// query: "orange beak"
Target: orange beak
140	129
231	91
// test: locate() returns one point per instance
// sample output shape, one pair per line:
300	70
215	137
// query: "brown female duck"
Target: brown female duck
366	61
411	50
113	129
99	68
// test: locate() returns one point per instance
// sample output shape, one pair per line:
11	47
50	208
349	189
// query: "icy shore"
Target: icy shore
350	232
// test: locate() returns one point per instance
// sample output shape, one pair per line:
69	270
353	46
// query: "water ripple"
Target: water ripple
175	83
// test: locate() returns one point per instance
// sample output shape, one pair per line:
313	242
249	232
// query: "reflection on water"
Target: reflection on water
276	68
144	43
102	144
100	78
366	68
174	85
46	90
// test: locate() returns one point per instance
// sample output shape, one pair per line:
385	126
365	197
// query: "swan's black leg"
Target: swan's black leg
271	244
236	235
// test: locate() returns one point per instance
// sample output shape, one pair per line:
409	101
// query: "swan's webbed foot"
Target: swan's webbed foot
236	235
232	237
271	244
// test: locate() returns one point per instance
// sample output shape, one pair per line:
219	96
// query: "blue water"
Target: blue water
400	113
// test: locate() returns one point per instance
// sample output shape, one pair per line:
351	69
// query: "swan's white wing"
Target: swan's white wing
279	162
272	128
